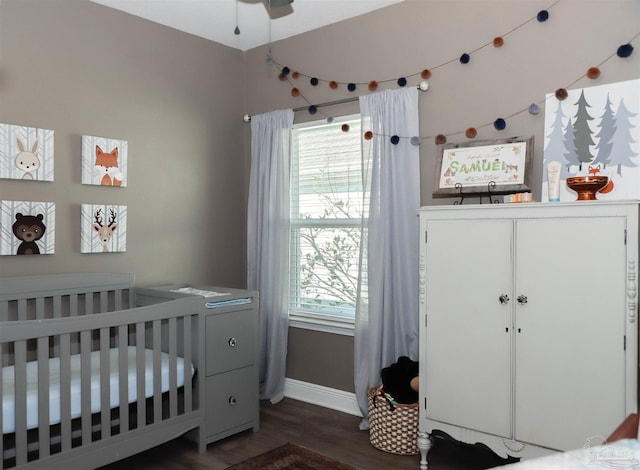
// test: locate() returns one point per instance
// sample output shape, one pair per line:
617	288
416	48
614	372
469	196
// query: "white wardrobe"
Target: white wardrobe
528	328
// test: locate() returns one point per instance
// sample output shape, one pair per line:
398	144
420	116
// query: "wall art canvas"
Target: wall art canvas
104	161
27	228
103	228
595	132
26	153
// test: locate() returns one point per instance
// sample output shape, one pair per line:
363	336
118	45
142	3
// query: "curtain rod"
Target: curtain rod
422	87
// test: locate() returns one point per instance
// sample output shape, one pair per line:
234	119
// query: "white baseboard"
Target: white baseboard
322	396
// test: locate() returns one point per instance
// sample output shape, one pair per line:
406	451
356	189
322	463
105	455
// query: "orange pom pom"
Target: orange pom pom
593	73
426	74
333	85
441	139
295	75
471	132
373	85
498	42
345	128
295	92
368	135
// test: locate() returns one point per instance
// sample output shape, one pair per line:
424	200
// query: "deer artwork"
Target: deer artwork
107	165
104	233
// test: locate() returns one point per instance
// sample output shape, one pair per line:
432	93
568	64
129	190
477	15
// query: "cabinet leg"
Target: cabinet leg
424	444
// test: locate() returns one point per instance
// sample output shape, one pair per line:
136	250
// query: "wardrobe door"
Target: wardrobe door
570	344
468	323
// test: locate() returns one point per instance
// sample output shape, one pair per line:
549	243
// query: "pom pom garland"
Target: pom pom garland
345	128
625	50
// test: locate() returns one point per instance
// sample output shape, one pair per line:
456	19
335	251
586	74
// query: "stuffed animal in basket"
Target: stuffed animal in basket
400	380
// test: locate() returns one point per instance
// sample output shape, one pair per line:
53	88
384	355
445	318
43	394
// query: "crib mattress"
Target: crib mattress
8	389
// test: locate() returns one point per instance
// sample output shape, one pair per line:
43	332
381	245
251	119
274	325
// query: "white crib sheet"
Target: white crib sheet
8	389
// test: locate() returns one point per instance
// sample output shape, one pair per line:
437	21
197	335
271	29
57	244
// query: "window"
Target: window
326	220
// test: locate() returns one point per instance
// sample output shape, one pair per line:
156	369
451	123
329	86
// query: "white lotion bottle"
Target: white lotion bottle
553	179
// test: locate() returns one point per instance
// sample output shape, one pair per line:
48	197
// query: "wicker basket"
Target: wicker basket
392	428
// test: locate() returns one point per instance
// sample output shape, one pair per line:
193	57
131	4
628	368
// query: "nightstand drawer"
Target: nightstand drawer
231	399
230	340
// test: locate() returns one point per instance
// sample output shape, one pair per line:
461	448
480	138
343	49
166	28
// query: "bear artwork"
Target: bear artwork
28	228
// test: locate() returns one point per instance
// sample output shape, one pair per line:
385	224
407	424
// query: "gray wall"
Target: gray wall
81	68
403	39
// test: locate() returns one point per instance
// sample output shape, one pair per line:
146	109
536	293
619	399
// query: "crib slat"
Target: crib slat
157	389
57	306
123	356
65	391
140	372
43	396
22	309
40	311
85	385
173	366
88	304
73	305
188	360
20	400
105	385
104	301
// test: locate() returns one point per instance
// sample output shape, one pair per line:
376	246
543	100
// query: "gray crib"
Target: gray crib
95	370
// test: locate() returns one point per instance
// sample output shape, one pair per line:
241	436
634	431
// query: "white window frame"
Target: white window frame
305	319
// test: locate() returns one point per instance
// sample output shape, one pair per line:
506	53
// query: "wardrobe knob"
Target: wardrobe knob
232	400
522	299
232	342
504	299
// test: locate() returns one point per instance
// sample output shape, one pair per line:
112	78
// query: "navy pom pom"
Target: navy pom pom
313	109
465	58
395	139
543	15
351	87
286	70
625	50
499	124
314	81
402	81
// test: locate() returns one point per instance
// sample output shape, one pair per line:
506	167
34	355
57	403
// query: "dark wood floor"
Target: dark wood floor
323	430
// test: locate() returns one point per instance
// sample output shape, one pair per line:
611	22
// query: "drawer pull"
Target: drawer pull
232	342
232	401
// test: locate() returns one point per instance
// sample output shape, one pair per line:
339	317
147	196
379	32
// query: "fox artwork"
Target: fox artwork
107	165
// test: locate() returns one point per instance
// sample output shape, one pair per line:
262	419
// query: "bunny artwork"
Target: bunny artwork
27	160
